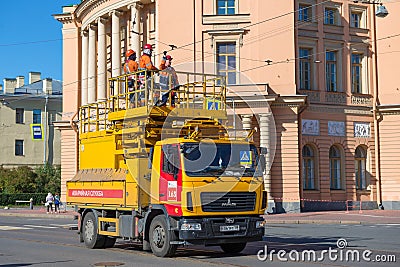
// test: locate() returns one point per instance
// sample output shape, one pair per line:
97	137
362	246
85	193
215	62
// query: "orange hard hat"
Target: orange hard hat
129	53
147	46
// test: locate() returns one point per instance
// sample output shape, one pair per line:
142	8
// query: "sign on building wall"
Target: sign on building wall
310	127
36	131
362	129
336	128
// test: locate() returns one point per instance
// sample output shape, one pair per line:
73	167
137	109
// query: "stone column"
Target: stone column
265	141
84	74
101	60
115	44
135	23
92	62
246	122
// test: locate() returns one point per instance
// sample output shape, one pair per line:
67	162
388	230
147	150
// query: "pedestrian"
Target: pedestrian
168	81
57	203
49	202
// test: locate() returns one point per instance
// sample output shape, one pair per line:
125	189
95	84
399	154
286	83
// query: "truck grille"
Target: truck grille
232	201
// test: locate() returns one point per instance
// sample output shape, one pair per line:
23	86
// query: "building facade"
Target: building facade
311	61
27	116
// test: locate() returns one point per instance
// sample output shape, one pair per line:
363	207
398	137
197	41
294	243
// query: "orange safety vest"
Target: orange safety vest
145	63
130	66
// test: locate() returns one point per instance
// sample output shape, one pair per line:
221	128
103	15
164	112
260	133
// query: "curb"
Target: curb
313	222
38	215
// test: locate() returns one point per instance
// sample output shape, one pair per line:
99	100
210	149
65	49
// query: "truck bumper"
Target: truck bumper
221	230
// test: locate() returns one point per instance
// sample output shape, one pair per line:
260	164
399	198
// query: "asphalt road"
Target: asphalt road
49	242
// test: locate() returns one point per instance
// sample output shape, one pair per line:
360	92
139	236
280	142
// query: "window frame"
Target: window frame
227	55
226	7
328	74
360	160
36	116
357	85
19	116
362	12
304	9
335	169
305	60
19	147
334	15
309	175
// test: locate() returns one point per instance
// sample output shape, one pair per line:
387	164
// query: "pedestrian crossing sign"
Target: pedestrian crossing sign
246	158
213	104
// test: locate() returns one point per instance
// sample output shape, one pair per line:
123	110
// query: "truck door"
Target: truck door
170	174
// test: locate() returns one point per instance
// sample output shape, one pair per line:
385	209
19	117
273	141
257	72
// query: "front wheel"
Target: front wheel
89	232
160	238
233	248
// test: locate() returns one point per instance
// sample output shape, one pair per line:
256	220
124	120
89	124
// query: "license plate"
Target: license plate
228	228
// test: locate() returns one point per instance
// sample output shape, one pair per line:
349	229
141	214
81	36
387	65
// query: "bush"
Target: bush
9	199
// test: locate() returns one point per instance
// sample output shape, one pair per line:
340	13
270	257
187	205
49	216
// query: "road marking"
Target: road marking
41	226
65	225
8	228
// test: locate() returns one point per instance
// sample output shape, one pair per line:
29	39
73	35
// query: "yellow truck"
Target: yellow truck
166	173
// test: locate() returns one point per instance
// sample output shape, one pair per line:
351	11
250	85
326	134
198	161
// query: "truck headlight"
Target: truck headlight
191	226
260	224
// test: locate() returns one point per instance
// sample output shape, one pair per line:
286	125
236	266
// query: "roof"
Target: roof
36	88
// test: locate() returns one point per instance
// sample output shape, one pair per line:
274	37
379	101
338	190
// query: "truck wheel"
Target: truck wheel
90	236
160	237
233	248
109	242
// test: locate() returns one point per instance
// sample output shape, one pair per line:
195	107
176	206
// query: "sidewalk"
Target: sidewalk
38	212
336	217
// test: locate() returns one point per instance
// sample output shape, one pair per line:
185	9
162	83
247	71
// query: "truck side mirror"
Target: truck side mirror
262	162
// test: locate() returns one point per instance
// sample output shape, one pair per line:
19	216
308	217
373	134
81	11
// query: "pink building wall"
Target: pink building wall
261	32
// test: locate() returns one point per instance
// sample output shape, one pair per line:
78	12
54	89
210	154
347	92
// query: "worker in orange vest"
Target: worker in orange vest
145	62
168	81
131	66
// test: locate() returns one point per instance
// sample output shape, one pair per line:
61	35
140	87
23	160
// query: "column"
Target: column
115	44
246	122
92	62
84	74
135	33
265	141
101	60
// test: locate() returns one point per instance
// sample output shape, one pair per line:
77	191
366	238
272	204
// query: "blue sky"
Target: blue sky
30	38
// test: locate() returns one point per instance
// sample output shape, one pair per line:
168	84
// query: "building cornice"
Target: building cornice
65	18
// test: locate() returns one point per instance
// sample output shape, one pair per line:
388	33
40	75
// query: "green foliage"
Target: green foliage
9	199
43	179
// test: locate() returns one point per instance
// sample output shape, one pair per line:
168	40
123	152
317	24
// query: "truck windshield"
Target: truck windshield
211	159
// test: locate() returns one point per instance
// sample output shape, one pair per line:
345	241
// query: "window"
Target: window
356	73
355	19
305	56
171	159
331	71
19	147
226	59
330	16
335	169
37	116
225	7
360	168
304	12
308	168
19	115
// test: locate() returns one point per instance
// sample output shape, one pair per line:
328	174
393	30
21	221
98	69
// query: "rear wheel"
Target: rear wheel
160	237
233	248
89	232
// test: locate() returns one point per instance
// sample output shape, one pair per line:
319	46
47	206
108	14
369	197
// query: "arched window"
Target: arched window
335	167
308	168
360	160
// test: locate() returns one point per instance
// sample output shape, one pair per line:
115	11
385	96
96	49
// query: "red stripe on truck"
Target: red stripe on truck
96	193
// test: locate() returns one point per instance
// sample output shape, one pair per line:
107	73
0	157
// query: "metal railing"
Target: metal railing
146	89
